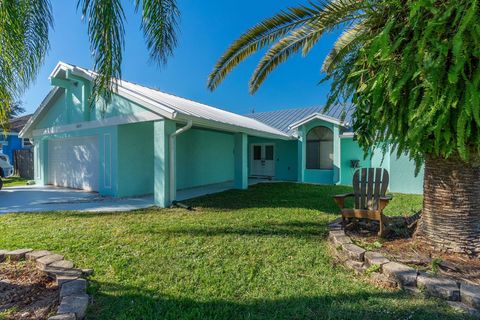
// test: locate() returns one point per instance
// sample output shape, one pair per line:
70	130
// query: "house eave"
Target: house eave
226	127
316	116
163	109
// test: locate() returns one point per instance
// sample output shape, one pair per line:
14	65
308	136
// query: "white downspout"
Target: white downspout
172	140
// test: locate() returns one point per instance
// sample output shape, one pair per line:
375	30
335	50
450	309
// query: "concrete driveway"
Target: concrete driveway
36	199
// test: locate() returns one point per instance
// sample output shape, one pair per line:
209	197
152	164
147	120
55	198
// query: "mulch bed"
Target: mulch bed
25	292
402	247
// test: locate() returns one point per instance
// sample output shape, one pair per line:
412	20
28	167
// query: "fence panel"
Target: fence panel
23	163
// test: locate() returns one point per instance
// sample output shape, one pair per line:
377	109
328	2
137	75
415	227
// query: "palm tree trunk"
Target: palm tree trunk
451	207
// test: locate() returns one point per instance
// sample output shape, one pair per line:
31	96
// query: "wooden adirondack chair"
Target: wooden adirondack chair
369	188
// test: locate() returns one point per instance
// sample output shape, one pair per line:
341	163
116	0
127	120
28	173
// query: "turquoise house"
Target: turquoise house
146	142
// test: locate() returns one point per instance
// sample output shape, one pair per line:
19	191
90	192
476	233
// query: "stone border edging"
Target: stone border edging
71	281
459	295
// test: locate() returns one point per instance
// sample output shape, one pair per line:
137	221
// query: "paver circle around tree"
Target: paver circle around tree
460	295
71	281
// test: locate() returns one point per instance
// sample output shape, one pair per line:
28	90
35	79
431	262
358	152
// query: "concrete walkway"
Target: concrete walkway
36	199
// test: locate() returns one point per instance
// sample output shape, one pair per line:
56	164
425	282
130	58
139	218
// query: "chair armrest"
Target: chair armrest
340	199
383	201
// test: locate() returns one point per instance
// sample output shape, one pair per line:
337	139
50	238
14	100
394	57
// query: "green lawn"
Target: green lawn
14	182
256	254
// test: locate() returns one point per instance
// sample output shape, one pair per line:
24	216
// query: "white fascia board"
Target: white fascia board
113	121
60	66
347	135
315	116
215	125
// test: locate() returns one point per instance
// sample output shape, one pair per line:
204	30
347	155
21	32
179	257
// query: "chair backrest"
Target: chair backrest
369	184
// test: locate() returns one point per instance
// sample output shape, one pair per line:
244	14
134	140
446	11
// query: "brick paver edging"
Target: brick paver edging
70	280
460	295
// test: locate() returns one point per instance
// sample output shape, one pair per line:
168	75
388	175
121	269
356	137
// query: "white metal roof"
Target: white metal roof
173	107
287	120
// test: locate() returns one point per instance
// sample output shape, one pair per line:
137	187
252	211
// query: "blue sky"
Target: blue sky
206	30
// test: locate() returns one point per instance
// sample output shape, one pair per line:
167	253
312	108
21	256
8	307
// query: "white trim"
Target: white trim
105	185
171	163
113	121
315	116
347	135
23	143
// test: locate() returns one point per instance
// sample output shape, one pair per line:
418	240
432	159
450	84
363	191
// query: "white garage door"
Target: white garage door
74	163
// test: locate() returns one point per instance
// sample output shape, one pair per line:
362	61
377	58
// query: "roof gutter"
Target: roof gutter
172	166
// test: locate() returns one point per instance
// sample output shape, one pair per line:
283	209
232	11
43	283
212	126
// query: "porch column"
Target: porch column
336	155
44	159
161	132
301	151
40	159
241	161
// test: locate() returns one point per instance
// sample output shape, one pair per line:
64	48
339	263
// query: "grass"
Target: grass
256	254
14	182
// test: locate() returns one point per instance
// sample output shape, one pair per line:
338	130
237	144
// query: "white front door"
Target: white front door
263	160
74	163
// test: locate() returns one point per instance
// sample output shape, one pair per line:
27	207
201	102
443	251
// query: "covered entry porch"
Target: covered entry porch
192	160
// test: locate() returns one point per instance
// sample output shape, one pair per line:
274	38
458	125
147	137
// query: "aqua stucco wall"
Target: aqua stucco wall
285	152
135	159
401	170
402	175
351	151
67	109
204	157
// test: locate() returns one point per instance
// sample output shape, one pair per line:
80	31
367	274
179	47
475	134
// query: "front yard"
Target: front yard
256	254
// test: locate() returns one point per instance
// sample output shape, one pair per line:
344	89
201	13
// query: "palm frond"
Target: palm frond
257	37
107	38
337	13
278	54
349	38
319	17
159	25
24	29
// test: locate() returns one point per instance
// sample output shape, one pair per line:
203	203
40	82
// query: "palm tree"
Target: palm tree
24	41
412	70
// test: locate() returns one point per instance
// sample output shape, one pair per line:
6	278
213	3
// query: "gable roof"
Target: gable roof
289	119
167	106
17	124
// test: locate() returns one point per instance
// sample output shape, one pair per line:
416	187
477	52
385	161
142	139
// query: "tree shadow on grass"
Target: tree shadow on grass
274	195
265	229
139	303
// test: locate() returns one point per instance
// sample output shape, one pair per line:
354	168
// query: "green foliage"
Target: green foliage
415	80
24	33
411	68
435	265
373	268
24	27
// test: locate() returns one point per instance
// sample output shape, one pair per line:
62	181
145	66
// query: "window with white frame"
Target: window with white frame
26	143
320	148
